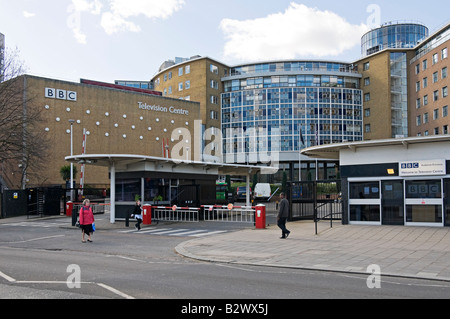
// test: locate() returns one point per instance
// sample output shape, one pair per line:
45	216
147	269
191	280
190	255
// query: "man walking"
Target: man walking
283	215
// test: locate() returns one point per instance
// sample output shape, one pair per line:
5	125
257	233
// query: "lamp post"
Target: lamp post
71	164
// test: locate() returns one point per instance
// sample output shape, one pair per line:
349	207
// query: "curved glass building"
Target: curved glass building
284	106
393	36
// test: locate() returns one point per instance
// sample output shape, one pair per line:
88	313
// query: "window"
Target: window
367	97
444	53
435	58
214	115
214	69
418	120
187	69
367	81
425	100
170	89
180	86
445	129
214	99
445	111
418	101
435	95
435	77
366	66
367	112
165	77
424	65
214	85
445	91
425	82
417	86
436	131
367	128
365	190
425	118
187	85
180	71
444	73
435	114
417	68
170	75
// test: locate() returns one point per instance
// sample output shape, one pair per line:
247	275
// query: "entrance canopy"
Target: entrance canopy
121	163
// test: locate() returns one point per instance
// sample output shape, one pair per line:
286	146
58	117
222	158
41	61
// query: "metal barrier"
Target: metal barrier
96	208
218	213
176	214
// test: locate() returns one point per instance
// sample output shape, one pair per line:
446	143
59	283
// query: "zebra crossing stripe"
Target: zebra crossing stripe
189	233
210	233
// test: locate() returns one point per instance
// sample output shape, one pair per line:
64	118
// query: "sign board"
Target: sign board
423	168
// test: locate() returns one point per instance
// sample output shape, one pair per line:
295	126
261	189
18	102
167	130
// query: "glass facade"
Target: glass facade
265	113
399	94
402	35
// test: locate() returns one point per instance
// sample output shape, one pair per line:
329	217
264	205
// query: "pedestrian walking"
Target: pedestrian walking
283	215
137	213
86	220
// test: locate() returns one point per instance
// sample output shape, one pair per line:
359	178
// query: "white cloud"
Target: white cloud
27	14
116	20
298	32
116	15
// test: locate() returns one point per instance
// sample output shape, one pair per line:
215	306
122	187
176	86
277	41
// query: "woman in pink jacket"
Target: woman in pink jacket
86	220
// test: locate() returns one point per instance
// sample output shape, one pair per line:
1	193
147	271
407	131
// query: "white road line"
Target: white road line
210	233
169	232
35	239
151	231
10	279
188	233
115	291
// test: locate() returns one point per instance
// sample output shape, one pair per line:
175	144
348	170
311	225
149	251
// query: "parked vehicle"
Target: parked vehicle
262	191
241	193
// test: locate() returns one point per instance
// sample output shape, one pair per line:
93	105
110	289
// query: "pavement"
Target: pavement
416	252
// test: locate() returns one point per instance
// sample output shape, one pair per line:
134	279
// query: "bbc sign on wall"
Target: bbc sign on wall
60	94
423	168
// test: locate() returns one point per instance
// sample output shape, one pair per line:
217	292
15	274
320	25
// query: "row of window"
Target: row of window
436	97
186	70
435	79
436	113
434	60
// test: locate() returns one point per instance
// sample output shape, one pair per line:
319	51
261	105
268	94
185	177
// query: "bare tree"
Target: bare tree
22	144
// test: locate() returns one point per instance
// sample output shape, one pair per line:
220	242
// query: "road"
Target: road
45	259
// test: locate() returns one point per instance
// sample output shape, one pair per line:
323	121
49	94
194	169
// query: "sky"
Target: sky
107	40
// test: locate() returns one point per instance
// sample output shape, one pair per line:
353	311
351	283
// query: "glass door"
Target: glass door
392	203
424	202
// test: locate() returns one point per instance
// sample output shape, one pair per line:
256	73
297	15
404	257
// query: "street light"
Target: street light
71	154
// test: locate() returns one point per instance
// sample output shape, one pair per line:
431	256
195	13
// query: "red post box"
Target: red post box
260	217
69	209
147	214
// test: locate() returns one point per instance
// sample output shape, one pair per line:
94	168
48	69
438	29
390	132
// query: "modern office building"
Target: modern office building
194	79
384	66
275	109
2	56
428	86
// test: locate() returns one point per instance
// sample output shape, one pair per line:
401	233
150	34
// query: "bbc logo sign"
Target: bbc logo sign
410	165
60	94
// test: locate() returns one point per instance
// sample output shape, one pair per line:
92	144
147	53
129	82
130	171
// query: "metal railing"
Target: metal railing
176	214
218	213
96	208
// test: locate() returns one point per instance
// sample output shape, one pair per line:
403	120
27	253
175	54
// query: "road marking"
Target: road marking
169	232
210	233
115	291
35	239
151	231
189	233
10	279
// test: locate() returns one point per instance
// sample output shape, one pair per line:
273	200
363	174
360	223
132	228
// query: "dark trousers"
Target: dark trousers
138	225
282	225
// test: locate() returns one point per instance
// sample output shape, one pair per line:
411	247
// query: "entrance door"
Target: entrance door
392	203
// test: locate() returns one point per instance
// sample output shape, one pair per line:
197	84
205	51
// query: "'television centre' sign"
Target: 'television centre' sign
423	168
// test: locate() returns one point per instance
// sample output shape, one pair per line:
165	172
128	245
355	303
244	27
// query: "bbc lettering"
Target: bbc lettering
60	94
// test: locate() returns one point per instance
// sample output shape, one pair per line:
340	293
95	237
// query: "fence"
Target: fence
179	214
218	213
96	208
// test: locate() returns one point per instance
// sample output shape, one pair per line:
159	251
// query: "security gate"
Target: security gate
315	200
